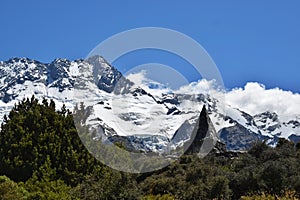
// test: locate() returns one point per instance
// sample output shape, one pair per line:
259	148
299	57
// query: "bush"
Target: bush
10	190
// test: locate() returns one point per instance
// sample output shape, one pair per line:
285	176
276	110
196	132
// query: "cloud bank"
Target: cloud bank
254	98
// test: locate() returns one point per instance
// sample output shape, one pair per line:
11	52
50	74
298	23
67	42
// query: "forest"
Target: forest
42	157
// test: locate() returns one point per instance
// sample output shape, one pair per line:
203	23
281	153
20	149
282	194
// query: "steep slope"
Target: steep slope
204	136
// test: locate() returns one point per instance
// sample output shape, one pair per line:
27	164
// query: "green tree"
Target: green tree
35	132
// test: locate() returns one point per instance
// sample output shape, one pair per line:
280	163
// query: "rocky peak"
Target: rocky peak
203	137
14	73
107	77
58	69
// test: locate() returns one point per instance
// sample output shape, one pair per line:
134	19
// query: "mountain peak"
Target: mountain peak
204	135
23	77
107	77
97	59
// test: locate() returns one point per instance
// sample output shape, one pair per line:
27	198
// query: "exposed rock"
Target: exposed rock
294	138
237	137
108	78
204	136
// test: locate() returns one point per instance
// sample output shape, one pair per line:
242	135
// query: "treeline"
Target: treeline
42	157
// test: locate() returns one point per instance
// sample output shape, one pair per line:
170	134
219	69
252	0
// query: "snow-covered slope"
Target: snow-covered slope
135	107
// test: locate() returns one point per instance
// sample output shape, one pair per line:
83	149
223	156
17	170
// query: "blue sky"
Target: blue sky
248	40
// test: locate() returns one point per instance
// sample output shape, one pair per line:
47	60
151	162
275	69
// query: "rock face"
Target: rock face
237	137
107	77
204	136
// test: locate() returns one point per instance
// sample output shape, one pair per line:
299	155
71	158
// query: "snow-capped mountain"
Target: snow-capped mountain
147	114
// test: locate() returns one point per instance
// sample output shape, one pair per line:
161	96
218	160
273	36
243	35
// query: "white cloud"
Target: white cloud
202	86
254	98
137	78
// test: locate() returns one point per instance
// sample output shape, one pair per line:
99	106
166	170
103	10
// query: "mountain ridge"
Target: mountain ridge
22	77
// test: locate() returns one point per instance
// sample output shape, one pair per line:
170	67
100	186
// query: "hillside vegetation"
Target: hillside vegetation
42	157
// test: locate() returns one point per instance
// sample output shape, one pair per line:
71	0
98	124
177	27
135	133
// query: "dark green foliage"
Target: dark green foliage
270	170
159	197
189	178
258	148
105	183
34	133
10	190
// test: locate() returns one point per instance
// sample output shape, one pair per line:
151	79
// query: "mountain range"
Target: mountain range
145	114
